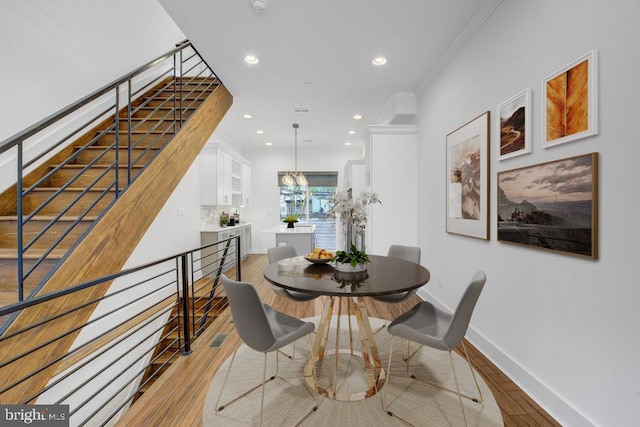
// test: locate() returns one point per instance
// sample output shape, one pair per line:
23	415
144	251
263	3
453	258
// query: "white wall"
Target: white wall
264	211
54	52
564	328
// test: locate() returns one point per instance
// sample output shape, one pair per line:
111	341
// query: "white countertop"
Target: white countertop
298	229
229	227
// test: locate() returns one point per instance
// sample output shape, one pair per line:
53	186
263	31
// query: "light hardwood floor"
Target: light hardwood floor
177	398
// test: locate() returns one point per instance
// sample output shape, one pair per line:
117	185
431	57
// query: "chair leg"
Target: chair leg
455	379
473	399
384	394
384	325
265	380
221	407
475	380
292	355
385	406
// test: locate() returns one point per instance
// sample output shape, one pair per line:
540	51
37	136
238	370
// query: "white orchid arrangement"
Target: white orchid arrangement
343	206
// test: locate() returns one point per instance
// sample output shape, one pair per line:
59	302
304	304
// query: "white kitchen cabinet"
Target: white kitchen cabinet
236	177
224	181
215	177
245	241
225	177
211	257
246	186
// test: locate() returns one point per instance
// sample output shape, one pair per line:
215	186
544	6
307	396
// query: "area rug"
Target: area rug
288	399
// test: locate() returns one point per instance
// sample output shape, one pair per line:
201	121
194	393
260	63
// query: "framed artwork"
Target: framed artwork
570	102
551	205
468	179
513	126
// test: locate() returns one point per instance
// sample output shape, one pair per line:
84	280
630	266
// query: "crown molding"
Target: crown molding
474	25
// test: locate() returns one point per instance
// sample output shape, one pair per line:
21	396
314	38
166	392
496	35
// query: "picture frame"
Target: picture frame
551	206
468	178
570	102
513	126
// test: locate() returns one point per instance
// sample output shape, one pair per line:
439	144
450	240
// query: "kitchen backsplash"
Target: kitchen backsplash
210	216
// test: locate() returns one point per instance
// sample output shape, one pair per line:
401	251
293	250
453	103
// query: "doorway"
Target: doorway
310	204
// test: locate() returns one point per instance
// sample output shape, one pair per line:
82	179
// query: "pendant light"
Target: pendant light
291	178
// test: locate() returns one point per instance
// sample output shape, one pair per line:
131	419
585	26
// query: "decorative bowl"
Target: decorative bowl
348	268
318	260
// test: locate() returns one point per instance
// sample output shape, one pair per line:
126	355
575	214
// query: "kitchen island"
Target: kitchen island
302	237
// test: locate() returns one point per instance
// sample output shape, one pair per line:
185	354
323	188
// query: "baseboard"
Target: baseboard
560	410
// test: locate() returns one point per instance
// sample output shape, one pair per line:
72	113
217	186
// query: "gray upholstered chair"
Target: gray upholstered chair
263	329
281	252
407	253
430	326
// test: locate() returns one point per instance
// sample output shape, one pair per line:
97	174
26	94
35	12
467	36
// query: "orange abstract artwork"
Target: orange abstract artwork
568	102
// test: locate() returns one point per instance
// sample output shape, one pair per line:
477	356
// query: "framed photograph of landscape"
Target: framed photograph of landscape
570	102
468	179
551	206
513	126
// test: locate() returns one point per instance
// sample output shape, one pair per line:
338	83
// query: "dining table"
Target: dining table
383	276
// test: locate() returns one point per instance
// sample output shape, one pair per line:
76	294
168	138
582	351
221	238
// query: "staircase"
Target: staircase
205	309
68	194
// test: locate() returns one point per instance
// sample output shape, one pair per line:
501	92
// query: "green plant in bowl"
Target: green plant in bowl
353	257
291	218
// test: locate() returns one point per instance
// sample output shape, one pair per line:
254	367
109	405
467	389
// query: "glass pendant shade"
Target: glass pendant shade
301	180
292	178
288	180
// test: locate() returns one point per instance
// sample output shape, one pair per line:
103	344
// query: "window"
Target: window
310	204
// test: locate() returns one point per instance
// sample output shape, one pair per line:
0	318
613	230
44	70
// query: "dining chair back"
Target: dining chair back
249	315
278	253
428	325
261	328
462	315
407	253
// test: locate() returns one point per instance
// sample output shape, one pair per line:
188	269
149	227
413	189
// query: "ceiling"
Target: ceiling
316	57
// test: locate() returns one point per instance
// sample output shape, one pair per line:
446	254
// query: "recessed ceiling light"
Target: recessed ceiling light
268	143
250	59
357	116
352	132
347	143
259	131
247	116
380	60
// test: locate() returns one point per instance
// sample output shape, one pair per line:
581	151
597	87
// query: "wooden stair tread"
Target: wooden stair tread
11	253
95	166
102	147
66	218
137	132
70	189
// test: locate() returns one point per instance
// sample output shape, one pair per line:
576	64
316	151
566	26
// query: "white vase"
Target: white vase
346	267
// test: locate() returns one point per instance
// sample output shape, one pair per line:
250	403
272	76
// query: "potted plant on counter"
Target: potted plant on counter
290	220
351	261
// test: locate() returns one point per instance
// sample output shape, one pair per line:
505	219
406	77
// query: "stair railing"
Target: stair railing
150	318
86	123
